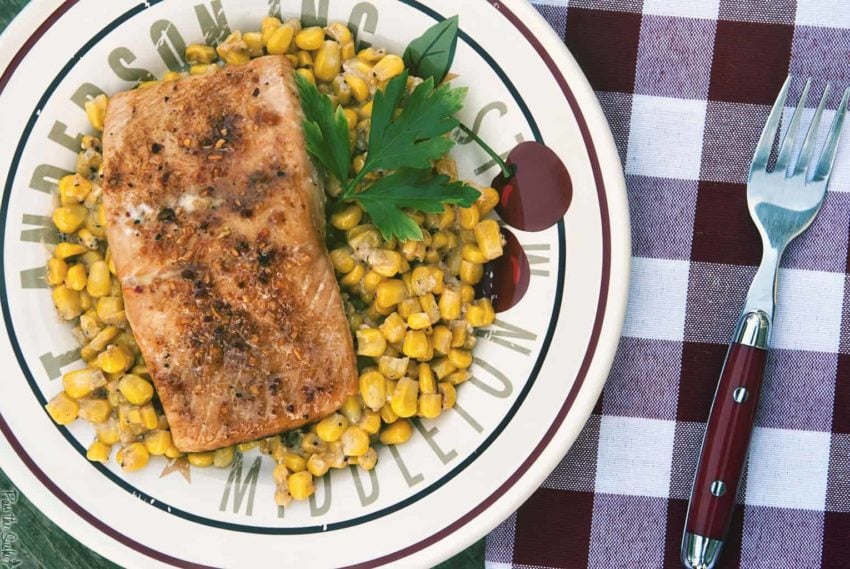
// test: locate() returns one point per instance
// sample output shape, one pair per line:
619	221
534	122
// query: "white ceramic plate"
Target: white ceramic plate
538	371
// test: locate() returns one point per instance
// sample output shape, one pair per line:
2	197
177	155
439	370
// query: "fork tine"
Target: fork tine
830	147
762	153
809	142
787	147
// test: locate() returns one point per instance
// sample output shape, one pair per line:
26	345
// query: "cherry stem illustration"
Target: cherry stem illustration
506	170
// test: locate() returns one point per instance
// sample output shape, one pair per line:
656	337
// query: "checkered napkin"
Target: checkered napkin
687	86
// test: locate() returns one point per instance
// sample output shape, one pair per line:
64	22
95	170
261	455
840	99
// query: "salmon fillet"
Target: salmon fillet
215	226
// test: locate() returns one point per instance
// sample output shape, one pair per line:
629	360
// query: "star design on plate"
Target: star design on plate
180	465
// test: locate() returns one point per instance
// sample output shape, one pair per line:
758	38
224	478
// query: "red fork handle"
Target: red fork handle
727	438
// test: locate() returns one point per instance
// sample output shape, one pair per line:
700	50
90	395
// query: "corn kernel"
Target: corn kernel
426	379
449	394
310	38
294	462
223	457
368	460
98	452
327	64
157	442
467	293
107	432
488	235
234	49
133	457
82	382
174	452
339	32
342	259
388	416
461	359
98	283
200	53
353	277
267	26
317	465
422	280
385	262
137	390
487	201
65	250
254	41
73	189
280	474
388	67
371	55
312	444
472	253
390	293
364	111
441	339
373	389
370	422
95	410
67	302
405	397
331	427
304	59
370	342
393	368
300	485
202	68
96	110
409	306
430	307
114	359
279	39
355	441
471	273
69	218
416	344
351	118
63	409
397	433
450	303
200	459
430	405
443	368
371	280
75	279
418	321
358	87
458	377
57	271
347	218
308	75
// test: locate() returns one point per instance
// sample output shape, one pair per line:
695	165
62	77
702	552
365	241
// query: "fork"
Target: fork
782	202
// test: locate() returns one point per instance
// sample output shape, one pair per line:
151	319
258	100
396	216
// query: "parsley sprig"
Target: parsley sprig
407	134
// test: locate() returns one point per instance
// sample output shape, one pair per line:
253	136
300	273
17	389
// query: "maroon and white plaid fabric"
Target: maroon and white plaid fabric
687	86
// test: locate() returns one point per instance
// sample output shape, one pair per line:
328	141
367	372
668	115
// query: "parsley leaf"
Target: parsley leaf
325	131
431	55
415	137
413	189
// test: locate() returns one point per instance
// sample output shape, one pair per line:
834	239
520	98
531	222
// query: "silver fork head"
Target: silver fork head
783	202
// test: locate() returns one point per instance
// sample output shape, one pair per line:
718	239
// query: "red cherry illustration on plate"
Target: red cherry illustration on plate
535	191
538	192
506	279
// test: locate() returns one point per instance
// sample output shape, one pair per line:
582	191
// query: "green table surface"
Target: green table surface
43	544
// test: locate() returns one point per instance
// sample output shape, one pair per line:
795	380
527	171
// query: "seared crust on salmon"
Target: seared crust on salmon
215	226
